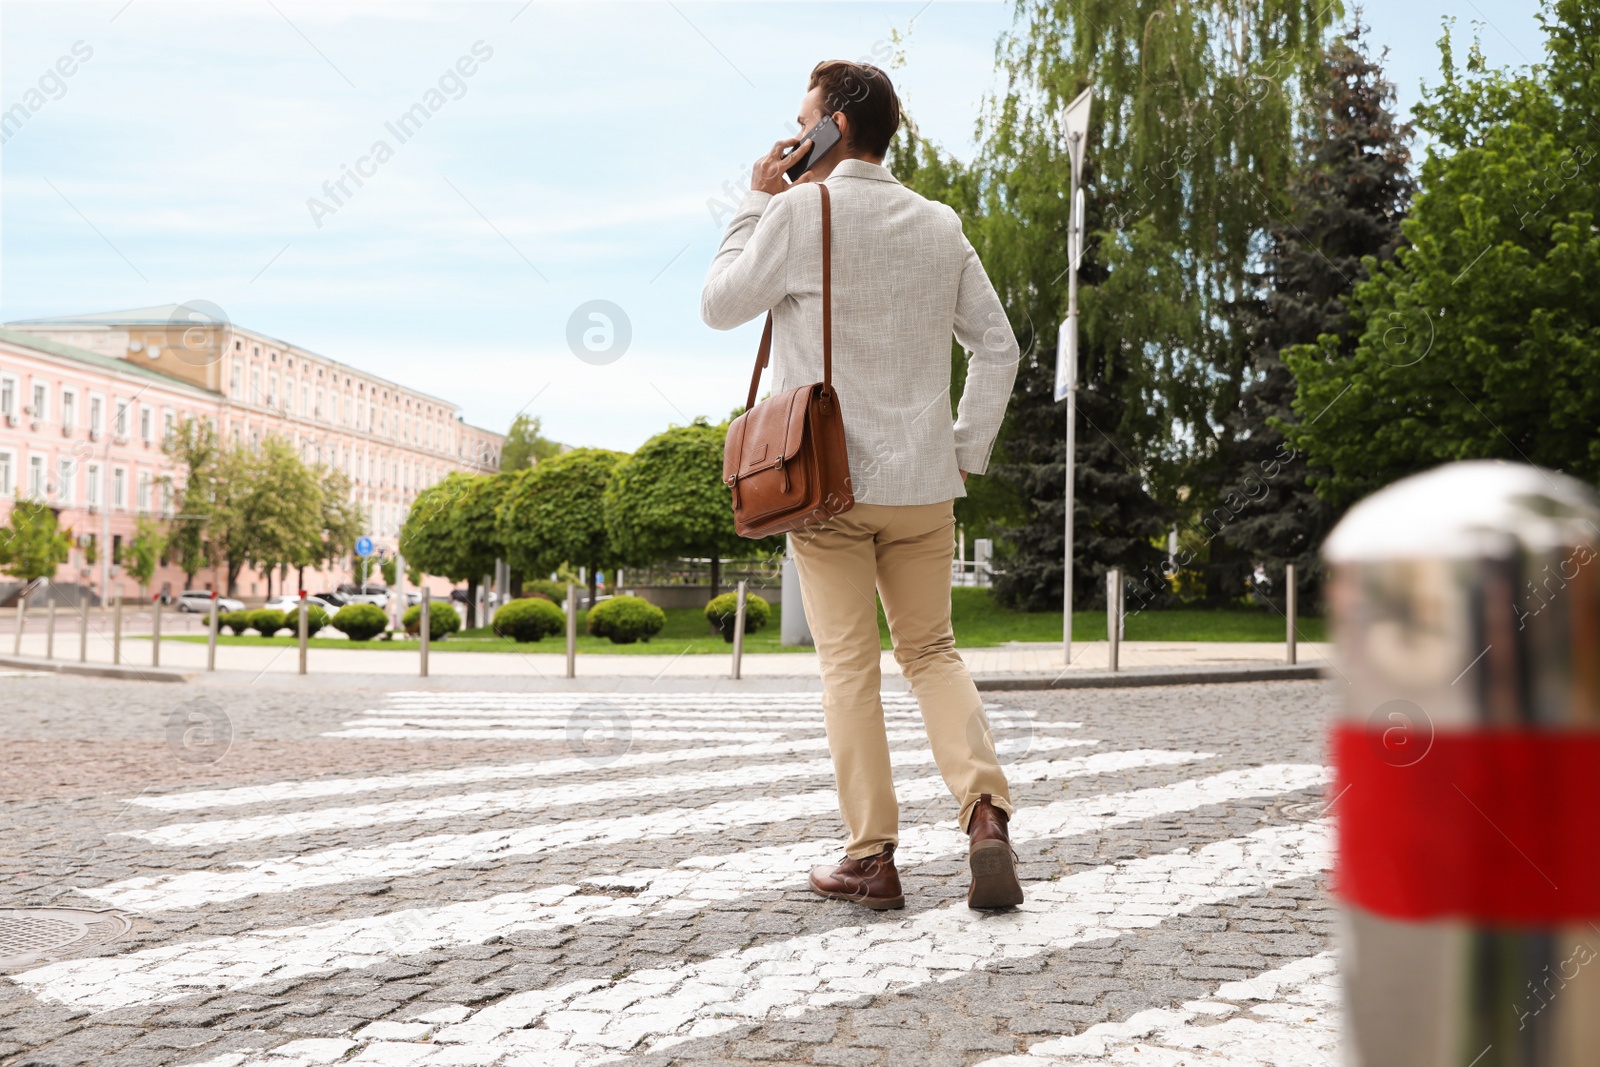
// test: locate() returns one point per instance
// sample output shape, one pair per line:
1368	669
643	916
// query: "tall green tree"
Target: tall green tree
1348	199
1189	152
1481	338
554	513
32	544
668	500
143	553
525	445
283	508
341	522
194	447
445	531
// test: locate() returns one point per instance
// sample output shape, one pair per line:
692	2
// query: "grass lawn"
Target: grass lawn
978	624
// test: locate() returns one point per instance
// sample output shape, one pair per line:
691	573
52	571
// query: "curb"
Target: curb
93	670
1150	676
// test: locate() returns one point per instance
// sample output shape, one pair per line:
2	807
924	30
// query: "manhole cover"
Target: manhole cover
29	935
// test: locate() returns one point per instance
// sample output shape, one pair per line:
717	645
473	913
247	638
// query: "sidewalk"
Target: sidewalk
1020	664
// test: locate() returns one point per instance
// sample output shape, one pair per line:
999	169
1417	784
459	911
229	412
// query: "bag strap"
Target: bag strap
765	351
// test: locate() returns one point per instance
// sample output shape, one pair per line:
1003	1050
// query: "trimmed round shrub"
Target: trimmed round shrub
555	592
723	610
316	619
360	622
626	619
442	620
267	622
237	621
529	619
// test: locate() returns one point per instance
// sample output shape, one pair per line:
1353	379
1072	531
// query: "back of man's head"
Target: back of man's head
866	96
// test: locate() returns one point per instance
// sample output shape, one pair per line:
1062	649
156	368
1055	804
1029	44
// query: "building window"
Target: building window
36	477
169	425
272	390
305	400
288	396
237	378
41	402
144	492
64	485
96	415
8	396
7	485
69	411
121	428
91	488
119	487
116	549
318	410
255	385
144	422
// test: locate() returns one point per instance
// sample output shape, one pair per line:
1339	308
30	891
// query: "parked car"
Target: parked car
199	600
292	603
338	600
365	594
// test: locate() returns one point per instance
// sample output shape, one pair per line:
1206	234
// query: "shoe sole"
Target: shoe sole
875	903
994	876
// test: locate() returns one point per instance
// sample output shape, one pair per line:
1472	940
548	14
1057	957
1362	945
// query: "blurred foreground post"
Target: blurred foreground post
738	632
1465	608
1114	614
50	630
116	629
1290	609
83	628
423	627
22	610
155	631
211	642
572	630
305	629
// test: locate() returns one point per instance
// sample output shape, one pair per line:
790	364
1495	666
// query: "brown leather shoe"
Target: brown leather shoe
871	880
994	864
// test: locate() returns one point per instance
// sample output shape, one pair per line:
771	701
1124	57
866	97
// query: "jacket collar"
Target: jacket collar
860	168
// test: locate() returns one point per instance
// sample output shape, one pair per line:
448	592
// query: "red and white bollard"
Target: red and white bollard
1465	605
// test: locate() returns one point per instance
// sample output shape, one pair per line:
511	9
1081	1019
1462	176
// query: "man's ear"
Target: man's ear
841	120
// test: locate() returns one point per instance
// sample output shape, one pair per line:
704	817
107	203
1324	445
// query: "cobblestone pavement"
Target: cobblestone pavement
503	878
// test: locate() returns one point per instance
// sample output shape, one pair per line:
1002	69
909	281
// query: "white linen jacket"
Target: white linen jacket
905	279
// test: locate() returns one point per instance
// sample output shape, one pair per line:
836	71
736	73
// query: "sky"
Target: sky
539	243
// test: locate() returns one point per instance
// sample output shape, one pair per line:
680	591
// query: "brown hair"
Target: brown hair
866	96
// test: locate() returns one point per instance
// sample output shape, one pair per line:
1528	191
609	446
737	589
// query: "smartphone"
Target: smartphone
823	136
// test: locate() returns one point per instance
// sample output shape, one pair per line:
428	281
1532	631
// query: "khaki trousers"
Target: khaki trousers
904	553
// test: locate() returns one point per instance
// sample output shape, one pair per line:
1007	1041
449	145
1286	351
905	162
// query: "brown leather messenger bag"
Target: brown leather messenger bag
785	457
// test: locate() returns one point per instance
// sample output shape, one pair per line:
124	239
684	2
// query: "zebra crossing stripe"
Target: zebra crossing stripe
597	1021
278	824
1286	1015
281	953
457	718
338	865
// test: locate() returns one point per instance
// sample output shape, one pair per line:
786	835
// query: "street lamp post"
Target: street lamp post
1075	122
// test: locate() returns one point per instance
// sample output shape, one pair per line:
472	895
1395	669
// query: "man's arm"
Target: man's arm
982	328
750	272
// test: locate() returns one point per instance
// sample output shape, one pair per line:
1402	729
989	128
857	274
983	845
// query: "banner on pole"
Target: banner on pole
1067	359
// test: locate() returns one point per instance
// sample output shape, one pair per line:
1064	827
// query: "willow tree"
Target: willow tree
1192	140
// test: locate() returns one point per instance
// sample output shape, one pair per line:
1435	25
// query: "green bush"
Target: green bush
316	619
529	619
556	591
626	619
237	621
723	610
267	622
360	622
442	620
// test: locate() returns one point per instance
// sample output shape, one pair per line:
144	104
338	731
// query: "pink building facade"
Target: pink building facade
85	402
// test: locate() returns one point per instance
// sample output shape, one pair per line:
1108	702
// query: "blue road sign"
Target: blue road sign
363	547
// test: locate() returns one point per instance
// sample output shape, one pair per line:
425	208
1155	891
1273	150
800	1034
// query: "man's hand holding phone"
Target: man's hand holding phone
767	175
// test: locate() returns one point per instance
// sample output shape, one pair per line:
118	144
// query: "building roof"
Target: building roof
159	315
108	363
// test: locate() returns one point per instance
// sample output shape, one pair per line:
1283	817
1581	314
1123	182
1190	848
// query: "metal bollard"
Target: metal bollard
738	633
572	630
1290	605
423	627
211	641
83	626
305	629
1465	607
116	630
1114	614
50	630
155	632
22	614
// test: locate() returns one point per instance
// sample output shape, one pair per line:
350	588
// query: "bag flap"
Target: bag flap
771	430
